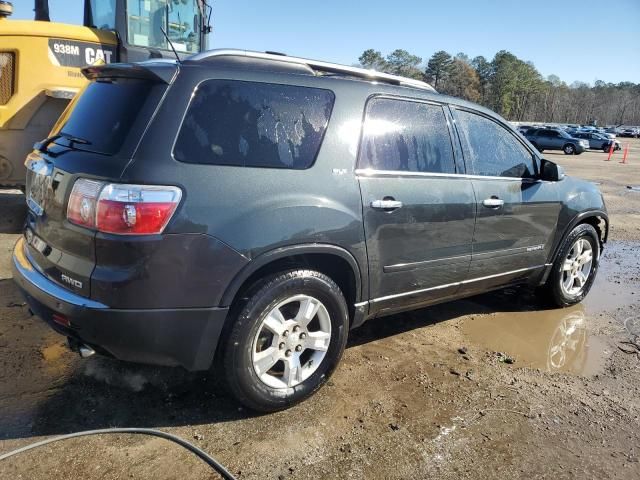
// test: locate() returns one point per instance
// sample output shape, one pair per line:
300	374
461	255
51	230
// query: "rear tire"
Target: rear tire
575	268
288	338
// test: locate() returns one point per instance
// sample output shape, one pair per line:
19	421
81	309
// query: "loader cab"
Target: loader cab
139	23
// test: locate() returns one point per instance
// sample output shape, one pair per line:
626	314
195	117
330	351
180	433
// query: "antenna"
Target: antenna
171	45
166	10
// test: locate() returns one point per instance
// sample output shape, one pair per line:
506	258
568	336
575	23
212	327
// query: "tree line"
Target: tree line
514	88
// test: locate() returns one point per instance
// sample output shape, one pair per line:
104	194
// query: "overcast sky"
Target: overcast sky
577	40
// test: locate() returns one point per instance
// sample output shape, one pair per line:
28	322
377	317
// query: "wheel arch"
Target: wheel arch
599	219
332	260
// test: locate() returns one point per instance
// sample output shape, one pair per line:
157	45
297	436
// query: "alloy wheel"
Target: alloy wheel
291	342
577	267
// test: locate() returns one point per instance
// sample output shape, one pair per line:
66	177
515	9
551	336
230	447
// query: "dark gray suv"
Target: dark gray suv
246	210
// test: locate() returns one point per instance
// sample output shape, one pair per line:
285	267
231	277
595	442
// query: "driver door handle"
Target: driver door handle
493	202
386	204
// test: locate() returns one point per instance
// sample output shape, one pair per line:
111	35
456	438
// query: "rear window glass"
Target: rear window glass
103	115
406	136
253	124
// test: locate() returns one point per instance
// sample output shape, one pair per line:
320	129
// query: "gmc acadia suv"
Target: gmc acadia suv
246	210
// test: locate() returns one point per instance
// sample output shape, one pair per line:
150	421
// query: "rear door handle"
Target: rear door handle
386	204
493	202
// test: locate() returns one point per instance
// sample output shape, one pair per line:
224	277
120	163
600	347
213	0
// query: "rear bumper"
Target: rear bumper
187	337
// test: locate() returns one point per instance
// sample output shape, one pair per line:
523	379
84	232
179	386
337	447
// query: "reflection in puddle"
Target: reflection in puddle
558	339
552	340
568	342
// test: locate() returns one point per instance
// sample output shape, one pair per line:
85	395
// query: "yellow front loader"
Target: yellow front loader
40	61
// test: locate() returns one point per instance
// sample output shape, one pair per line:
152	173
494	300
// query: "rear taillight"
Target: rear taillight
81	209
122	209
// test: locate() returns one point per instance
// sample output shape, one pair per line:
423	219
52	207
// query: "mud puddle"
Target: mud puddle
551	340
561	340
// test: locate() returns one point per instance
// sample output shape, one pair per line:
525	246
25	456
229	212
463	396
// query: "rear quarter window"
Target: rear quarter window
253	124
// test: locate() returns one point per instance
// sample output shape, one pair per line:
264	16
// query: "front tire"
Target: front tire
287	340
569	149
575	268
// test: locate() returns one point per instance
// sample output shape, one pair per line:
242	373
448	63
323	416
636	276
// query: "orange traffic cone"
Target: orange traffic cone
610	151
624	156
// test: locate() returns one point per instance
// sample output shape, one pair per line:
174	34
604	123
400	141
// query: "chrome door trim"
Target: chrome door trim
509	251
401	267
464	282
369	172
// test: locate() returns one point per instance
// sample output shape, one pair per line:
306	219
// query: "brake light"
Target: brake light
122	209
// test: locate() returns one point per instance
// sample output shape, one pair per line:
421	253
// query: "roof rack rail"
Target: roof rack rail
319	66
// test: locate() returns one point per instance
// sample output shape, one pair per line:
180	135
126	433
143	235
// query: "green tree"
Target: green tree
513	84
463	57
438	68
484	69
401	62
373	59
515	89
462	81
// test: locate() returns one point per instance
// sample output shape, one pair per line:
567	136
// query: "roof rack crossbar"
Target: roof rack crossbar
320	66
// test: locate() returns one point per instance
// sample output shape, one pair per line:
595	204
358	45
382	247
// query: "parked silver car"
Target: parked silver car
552	139
597	141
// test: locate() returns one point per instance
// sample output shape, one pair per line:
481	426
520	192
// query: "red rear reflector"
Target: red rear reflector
61	320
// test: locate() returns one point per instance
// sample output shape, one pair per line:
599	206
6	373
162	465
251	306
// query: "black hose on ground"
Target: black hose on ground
204	456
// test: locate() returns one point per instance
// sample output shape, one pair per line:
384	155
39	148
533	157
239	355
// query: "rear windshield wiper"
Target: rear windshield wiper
73	139
42	146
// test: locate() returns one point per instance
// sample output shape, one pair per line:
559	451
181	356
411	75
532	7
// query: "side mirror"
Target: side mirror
551	172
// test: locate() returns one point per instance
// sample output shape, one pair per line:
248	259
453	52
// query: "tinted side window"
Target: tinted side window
406	136
492	149
254	124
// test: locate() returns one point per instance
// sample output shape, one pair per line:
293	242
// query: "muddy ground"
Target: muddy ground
424	394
